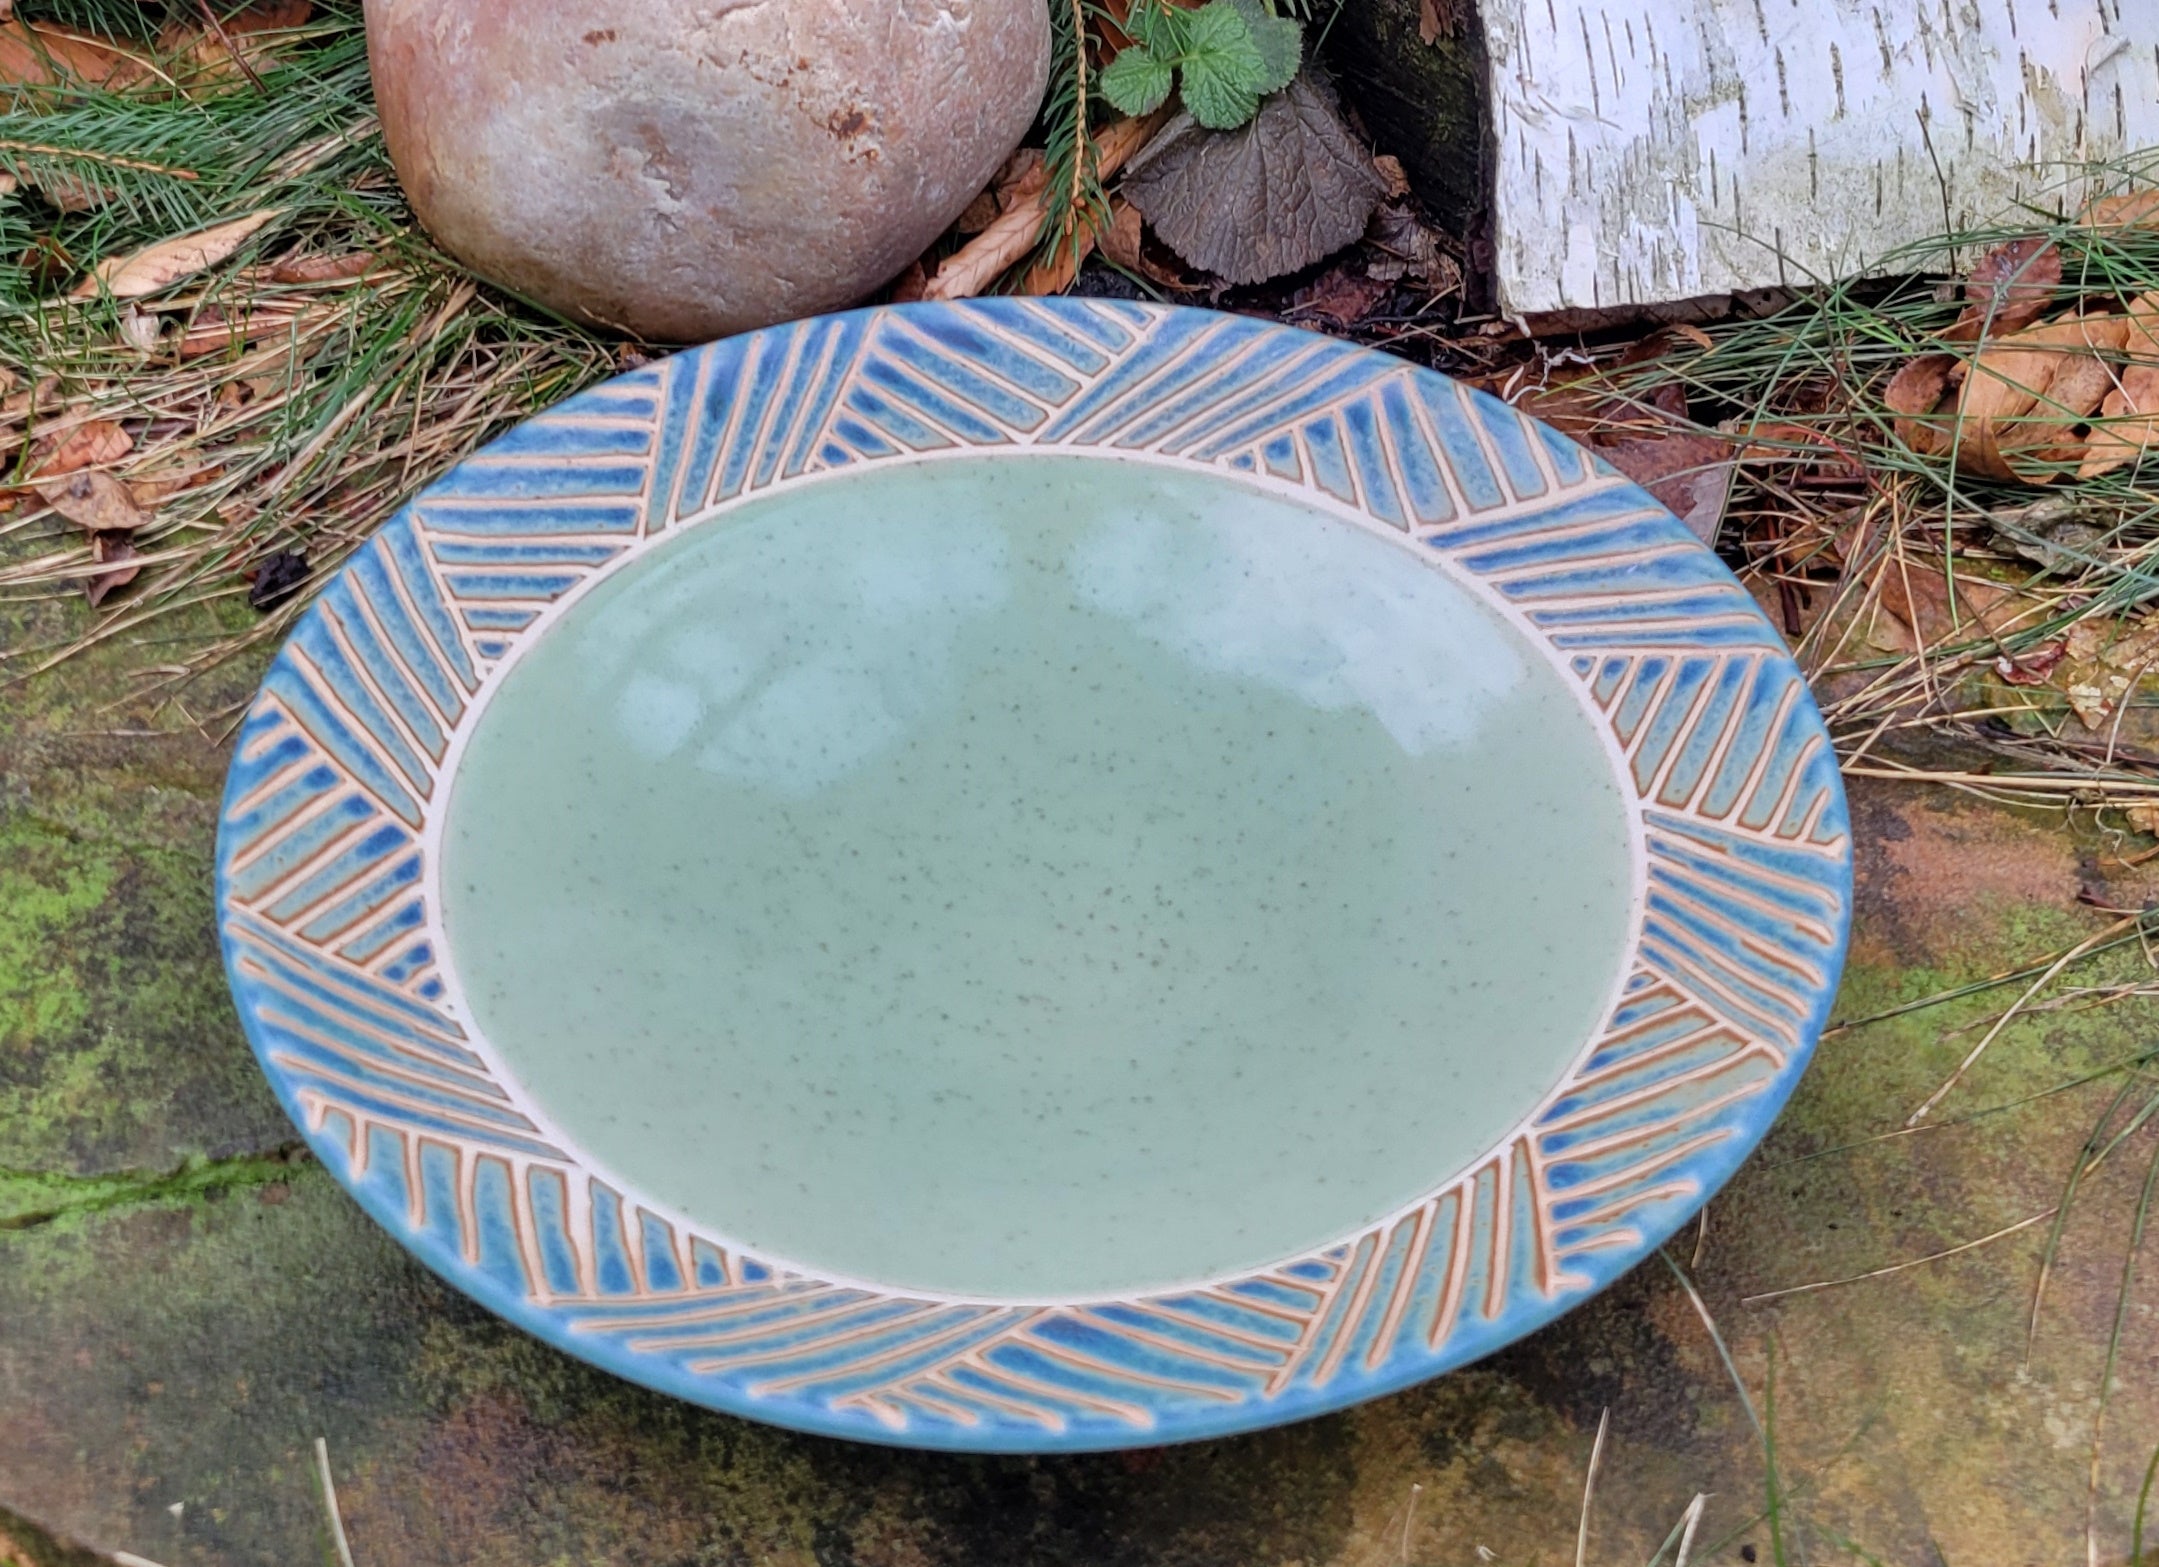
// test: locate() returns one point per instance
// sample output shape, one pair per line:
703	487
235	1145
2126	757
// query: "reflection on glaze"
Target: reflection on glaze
1338	629
756	695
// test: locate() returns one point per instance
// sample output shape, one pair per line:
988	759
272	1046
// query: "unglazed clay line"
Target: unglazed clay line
1727	972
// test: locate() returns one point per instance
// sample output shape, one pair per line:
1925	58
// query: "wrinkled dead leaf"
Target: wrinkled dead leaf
1918	591
2144	818
338	266
2022	397
1288	189
93	443
2032	667
1124	240
1341	295
214	331
1808	455
2139	208
1413	249
165	263
1389	168
94	501
909	285
236	47
1915	394
1688	472
39	54
116	554
2103	662
2009	289
138	331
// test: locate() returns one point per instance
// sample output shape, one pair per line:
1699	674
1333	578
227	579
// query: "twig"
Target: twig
1589	1488
109	159
1897	1267
247	69
329	1503
980	262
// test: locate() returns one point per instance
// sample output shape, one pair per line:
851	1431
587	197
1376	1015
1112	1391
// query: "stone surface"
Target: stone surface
684	169
184	1308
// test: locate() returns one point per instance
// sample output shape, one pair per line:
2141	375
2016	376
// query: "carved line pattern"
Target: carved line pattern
323	886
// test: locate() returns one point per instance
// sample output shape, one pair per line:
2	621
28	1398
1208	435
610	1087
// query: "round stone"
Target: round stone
686	169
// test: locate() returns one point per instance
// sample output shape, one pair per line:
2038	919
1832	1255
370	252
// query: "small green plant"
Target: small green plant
1220	58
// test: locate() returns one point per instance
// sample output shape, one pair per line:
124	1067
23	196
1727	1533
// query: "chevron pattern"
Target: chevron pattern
325	899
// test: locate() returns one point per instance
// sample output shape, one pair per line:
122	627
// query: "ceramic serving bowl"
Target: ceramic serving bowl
1032	875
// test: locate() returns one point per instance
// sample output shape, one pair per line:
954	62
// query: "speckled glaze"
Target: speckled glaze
349	957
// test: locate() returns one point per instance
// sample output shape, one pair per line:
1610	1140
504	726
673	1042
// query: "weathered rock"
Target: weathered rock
683	169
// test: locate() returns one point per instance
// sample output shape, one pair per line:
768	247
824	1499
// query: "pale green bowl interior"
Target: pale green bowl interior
1035	877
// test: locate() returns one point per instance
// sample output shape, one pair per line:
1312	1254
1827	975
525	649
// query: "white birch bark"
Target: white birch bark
1662	149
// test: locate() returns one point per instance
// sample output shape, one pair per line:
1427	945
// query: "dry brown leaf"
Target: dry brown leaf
1340	295
1688	472
168	261
237	46
1814	457
2009	289
2137	209
2143	819
212	331
2128	424
39	54
117	555
138	330
94	501
2105	659
1915	394
2020	397
2032	667
1390	169
908	286
1917	590
70	192
1123	241
93	443
322	267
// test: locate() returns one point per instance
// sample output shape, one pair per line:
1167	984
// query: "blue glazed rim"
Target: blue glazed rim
331	947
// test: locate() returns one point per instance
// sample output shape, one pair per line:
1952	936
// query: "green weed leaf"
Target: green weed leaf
1137	81
1224	71
1279	39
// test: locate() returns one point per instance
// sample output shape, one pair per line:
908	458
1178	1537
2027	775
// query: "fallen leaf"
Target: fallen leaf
322	267
1123	241
138	331
39	54
70	192
235	48
94	501
1411	249
2128	423
1390	170
114	552
2031	668
2009	289
2144	819
2105	659
2137	209
1340	295
1918	590
213	331
93	443
2021	398
1688	472
909	285
1814	458
161	265
1271	197
1915	395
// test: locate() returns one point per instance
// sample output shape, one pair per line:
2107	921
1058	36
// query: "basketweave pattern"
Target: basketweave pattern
324	890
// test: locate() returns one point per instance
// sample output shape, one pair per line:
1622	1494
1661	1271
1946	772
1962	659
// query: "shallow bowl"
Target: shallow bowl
1032	875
